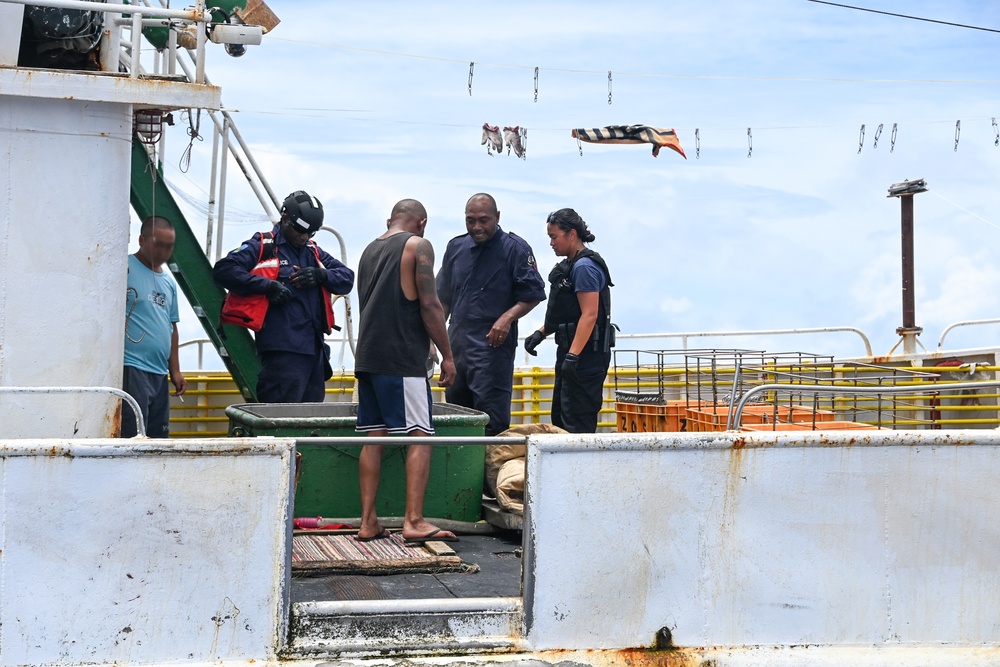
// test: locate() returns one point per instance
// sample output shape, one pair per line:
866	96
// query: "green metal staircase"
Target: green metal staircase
193	272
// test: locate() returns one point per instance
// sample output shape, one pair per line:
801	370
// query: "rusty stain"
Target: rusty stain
630	657
116	421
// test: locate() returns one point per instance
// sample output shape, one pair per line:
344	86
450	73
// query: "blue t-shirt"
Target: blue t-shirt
587	276
152	320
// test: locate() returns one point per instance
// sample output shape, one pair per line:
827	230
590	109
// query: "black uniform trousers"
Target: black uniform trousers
576	403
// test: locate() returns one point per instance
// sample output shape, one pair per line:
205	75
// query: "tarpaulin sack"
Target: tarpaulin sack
498	455
510	486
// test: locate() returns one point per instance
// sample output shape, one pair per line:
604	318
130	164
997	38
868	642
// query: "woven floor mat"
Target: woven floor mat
330	554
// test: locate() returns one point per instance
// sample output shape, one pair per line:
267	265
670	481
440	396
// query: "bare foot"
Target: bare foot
368	532
421	529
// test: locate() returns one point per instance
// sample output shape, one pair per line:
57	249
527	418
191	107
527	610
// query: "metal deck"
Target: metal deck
497	555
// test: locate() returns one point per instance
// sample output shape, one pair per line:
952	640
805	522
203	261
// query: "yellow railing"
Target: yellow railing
202	414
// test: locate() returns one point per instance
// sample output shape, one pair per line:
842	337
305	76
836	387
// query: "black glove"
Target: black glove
308	277
277	293
532	341
569	366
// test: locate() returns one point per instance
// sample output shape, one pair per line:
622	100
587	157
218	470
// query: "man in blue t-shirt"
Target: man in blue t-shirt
151	331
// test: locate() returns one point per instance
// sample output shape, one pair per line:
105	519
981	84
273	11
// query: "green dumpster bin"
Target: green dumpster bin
328	474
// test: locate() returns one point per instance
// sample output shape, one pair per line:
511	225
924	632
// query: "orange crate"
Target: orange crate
714	417
789	413
808	426
677	412
652	418
800	413
845	426
628	417
666	417
756	428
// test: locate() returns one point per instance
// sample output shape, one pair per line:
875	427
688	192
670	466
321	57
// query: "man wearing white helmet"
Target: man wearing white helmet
280	286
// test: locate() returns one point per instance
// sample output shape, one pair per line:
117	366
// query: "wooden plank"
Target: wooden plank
439	548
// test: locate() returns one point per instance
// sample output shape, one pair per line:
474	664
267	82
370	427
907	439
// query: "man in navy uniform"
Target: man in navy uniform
280	285
487	282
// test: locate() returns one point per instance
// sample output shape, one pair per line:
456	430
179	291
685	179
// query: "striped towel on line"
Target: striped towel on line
632	134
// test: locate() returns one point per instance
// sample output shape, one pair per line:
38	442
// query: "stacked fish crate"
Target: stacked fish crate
698	391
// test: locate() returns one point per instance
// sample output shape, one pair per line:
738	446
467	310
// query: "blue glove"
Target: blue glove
277	293
308	277
569	366
532	341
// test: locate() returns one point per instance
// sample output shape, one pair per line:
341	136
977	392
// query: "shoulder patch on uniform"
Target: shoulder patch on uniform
531	260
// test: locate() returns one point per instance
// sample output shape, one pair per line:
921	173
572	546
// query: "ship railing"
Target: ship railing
909	392
698	389
228	140
966	323
924	404
139	16
686	336
132	403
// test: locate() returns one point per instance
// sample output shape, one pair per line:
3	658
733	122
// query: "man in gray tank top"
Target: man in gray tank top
400	316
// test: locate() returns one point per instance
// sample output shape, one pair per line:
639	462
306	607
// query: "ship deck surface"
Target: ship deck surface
497	555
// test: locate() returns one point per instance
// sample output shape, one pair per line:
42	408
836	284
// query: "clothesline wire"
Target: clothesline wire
958	206
904	16
604	73
325	112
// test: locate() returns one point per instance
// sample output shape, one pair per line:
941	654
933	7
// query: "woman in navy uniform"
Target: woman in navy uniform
579	314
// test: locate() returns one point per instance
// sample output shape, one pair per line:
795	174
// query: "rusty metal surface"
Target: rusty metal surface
107	87
126	552
938	655
762	539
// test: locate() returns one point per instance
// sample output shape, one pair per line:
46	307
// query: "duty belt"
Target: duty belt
566	332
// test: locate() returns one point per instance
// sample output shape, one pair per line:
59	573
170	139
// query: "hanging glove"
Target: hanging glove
308	277
277	293
569	366
532	341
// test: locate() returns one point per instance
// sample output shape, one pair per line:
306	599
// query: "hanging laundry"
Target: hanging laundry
632	134
492	138
517	140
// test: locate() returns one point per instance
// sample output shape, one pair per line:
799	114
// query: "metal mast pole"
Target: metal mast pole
905	191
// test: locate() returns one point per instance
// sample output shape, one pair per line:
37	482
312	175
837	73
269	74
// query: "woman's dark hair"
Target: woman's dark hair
567	219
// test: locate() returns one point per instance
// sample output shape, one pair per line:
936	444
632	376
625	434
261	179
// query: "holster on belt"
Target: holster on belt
566	332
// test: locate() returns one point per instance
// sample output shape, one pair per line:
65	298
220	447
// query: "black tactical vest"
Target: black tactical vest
563	309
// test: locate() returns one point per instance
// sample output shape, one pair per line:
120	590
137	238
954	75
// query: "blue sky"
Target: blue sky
365	103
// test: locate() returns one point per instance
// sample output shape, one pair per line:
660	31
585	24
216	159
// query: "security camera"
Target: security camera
226	33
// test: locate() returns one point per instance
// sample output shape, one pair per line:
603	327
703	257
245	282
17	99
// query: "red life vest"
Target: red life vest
249	310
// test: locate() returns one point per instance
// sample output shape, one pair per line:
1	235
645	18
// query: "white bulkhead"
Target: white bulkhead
65	165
